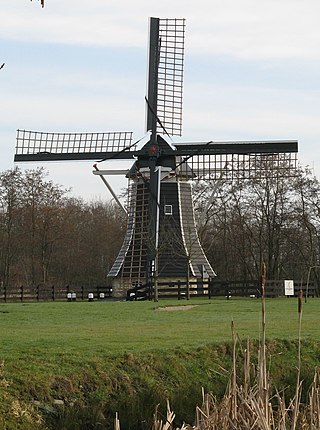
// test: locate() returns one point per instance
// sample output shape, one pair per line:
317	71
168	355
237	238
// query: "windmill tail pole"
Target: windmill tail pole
111	190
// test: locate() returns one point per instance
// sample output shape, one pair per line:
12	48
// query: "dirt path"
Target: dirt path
177	308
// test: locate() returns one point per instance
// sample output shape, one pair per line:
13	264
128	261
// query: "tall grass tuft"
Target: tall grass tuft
116	423
297	397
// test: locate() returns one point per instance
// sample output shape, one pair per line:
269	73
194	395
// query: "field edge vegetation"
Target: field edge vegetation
89	395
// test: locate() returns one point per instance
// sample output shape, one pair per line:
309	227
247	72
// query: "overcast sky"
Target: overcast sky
252	71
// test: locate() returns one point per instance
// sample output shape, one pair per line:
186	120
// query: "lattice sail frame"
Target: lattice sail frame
33	143
233	167
170	75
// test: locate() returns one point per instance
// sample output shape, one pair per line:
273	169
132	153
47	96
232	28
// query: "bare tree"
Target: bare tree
40	203
9	201
276	220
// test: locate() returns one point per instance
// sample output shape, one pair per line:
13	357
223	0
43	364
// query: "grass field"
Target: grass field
114	354
83	329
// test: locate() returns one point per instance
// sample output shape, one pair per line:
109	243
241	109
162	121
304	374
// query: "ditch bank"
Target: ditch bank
59	395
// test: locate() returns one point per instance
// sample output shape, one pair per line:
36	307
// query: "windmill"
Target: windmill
161	239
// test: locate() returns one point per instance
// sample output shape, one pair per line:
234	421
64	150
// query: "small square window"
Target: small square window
168	209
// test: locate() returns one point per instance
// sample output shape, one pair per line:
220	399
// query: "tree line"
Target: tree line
275	220
50	238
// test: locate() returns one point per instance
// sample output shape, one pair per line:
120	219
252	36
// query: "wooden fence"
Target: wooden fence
176	289
214	288
41	293
274	288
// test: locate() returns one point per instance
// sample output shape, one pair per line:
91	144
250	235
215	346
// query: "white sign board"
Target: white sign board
204	273
289	287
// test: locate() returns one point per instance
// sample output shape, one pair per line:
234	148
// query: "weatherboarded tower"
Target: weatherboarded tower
176	252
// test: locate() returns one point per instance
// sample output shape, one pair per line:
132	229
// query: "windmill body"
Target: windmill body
161	235
161	239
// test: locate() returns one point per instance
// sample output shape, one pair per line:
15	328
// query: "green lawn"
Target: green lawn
116	354
87	330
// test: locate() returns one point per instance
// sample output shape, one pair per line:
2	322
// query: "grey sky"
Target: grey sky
251	72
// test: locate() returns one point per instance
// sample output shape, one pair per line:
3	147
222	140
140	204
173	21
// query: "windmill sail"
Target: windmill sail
165	80
44	146
237	160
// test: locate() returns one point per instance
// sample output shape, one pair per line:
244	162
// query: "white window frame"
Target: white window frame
168	209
